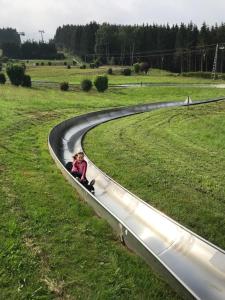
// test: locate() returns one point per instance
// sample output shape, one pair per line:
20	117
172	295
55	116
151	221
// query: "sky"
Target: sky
30	16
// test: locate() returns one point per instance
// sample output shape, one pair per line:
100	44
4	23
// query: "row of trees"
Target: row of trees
31	50
176	48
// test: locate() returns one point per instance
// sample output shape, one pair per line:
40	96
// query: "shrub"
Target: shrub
15	74
74	62
144	67
83	67
97	63
24	66
42	63
49	63
68	67
86	85
26	81
126	72
2	78
37	64
64	86
65	63
92	65
110	71
136	68
101	83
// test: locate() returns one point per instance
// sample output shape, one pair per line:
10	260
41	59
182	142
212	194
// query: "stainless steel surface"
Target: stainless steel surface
192	265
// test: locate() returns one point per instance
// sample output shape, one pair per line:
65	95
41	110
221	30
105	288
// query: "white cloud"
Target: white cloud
33	15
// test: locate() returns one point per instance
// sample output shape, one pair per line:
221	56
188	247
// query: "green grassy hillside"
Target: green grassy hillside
75	75
52	244
172	158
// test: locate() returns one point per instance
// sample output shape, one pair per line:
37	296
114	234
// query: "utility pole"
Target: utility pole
215	63
41	32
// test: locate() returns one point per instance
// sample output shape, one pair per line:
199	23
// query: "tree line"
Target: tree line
11	45
178	48
31	50
9	35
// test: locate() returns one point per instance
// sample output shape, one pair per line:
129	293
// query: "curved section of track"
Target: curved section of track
194	267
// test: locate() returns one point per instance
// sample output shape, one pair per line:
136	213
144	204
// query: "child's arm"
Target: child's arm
74	167
84	169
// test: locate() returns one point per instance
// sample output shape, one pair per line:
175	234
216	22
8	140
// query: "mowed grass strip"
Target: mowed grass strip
174	159
52	244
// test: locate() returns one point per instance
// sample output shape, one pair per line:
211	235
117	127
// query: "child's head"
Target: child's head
75	156
80	156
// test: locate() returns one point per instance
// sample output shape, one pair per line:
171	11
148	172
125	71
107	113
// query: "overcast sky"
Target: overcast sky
31	16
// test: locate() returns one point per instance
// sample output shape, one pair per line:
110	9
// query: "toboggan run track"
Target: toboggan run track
194	267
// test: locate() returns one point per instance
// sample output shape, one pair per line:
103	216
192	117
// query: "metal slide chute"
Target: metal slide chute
194	267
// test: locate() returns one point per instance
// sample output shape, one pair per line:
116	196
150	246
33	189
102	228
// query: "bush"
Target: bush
2	78
144	67
86	85
42	63
101	83
92	65
126	72
74	62
64	86
37	64
97	63
26	81
15	74
65	63
110	71
68	67
24	66
136	68
83	67
49	63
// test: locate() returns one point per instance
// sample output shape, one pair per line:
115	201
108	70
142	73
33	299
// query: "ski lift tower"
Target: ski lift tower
21	33
41	32
215	63
221	60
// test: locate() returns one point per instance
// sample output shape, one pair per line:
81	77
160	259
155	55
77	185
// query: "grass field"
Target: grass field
52	244
76	75
174	159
